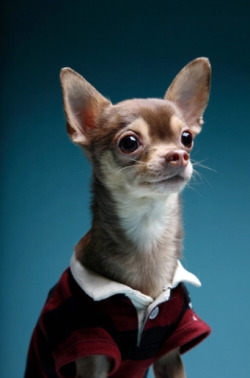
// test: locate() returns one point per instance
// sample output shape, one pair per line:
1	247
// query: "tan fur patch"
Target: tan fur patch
140	127
176	124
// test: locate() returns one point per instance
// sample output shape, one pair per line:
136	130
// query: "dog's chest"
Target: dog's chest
147	222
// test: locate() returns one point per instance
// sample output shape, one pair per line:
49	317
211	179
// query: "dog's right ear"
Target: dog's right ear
82	105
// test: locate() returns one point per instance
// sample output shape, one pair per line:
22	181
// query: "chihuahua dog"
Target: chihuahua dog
126	269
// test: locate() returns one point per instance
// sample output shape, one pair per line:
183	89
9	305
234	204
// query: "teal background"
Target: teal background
125	49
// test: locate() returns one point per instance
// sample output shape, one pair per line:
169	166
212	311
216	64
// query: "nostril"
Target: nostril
173	157
186	156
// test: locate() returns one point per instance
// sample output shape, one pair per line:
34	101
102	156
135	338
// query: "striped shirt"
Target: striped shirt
86	314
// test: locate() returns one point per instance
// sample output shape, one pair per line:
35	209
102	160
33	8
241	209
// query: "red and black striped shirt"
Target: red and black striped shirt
73	325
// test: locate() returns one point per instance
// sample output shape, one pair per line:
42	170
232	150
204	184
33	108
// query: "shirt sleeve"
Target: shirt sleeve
83	343
191	331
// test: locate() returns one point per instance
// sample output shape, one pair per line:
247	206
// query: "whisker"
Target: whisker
197	174
189	186
202	178
138	162
199	164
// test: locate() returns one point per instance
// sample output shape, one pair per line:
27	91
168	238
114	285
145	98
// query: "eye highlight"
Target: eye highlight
129	144
187	138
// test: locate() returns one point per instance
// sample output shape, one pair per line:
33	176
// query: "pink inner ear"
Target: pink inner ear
89	119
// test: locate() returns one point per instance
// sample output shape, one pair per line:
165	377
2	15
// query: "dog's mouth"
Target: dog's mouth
172	183
181	176
175	178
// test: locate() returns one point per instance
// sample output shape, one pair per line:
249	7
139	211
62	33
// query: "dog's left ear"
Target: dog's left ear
190	92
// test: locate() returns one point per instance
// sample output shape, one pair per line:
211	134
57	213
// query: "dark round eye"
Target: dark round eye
187	138
129	144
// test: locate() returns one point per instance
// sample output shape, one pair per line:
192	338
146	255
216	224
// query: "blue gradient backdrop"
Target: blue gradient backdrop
126	49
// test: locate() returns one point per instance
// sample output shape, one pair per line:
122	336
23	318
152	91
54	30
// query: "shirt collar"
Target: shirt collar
99	287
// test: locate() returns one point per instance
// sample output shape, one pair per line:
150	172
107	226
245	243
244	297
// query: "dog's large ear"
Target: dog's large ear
190	92
82	104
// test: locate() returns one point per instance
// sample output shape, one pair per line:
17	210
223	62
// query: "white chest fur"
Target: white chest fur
146	221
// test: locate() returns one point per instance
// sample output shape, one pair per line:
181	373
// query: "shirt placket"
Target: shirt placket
152	311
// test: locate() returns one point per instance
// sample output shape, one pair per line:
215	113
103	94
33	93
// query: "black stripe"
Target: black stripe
80	312
77	313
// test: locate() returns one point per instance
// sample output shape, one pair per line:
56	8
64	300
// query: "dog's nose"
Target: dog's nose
178	158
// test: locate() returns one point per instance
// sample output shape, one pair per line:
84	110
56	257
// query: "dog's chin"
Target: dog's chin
173	184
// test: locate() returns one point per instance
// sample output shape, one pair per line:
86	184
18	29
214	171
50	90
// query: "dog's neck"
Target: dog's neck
135	238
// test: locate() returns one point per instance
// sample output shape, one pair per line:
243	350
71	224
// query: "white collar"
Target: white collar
99	287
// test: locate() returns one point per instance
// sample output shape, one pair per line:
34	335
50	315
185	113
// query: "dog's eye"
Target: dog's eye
129	144
187	138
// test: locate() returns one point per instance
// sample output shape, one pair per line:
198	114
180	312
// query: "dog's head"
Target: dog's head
143	143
